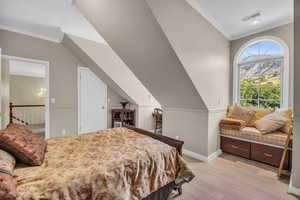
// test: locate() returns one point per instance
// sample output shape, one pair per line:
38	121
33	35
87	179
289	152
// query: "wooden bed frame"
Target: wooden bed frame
164	192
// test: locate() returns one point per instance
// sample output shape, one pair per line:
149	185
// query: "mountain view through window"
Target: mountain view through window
260	67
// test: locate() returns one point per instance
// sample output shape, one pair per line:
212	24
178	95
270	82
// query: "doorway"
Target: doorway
25	93
92	102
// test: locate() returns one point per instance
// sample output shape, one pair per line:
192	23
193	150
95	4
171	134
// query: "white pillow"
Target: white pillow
271	123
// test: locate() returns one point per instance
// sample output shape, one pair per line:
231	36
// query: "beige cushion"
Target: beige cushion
259	113
241	113
250	133
287	113
270	123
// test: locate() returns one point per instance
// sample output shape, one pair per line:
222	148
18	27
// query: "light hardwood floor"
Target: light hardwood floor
232	178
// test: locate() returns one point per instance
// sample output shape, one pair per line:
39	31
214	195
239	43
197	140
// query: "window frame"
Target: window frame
284	72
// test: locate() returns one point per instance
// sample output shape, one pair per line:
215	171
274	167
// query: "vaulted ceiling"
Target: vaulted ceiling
50	18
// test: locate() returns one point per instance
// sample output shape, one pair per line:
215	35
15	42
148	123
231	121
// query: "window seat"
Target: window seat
250	133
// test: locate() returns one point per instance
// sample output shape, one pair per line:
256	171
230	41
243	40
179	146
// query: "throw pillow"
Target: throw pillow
270	123
7	187
7	182
287	113
242	113
259	113
23	144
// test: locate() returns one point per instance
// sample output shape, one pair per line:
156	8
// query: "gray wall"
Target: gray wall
63	76
134	34
202	49
24	90
179	56
204	53
296	149
286	33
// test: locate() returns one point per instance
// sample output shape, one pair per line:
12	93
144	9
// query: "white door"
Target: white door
92	102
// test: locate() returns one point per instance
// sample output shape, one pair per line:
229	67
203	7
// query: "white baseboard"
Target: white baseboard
294	190
201	157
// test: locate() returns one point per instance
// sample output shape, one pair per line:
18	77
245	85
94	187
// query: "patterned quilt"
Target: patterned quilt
114	164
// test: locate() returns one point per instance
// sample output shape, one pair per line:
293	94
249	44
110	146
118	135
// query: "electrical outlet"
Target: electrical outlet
63	132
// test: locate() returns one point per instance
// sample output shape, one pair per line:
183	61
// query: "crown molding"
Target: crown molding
195	4
31	34
262	29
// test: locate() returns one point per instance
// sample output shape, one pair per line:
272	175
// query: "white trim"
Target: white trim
147	106
285	70
210	110
78	101
185	110
259	30
47	77
293	190
200	157
31	34
196	5
218	110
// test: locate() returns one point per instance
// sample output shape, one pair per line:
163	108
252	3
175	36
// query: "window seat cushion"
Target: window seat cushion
250	133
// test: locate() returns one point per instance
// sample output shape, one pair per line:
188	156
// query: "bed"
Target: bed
115	164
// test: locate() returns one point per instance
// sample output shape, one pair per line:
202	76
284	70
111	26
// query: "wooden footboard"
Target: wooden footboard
164	192
167	140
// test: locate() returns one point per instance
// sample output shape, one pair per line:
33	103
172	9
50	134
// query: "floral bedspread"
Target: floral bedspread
114	164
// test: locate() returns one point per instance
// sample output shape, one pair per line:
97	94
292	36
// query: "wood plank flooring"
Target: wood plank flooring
232	178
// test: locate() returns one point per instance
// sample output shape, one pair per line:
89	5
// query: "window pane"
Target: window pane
260	83
269	93
249	93
249	103
263	73
261	49
269	104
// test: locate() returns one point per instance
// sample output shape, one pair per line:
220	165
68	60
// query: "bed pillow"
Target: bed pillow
7	187
23	144
7	162
242	113
270	123
7	182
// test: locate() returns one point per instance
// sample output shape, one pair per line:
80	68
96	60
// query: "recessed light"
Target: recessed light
255	22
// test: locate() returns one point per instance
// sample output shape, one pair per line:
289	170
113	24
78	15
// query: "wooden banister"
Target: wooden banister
11	113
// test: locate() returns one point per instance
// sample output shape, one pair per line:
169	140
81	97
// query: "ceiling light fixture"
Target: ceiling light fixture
255	22
250	17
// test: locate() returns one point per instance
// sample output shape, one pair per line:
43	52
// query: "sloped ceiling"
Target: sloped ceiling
133	33
47	19
111	69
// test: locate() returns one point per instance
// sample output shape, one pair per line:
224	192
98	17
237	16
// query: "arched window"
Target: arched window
261	71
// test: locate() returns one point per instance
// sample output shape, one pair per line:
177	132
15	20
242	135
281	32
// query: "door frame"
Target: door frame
79	100
47	85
